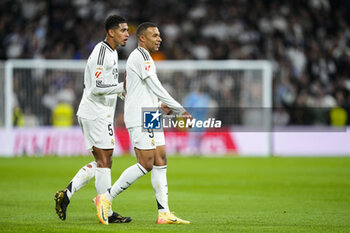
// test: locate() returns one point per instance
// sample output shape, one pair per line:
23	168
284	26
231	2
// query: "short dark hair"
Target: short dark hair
113	21
143	26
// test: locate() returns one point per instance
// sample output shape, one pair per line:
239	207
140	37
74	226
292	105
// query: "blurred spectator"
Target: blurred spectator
197	103
18	119
338	114
30	119
63	115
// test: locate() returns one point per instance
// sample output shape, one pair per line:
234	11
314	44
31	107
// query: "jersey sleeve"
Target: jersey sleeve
147	69
108	89
100	68
143	64
155	85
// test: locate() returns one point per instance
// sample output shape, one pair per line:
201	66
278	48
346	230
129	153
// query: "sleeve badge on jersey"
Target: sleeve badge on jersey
98	73
147	67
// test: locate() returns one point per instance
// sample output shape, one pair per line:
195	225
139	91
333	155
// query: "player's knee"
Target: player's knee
147	165
106	163
101	163
162	161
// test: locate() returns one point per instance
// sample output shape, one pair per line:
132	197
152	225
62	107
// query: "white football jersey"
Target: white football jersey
100	83
143	88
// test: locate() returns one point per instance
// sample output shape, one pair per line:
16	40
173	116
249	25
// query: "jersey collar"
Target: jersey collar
105	42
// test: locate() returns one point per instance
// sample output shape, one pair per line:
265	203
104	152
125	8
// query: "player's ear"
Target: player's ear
142	38
111	32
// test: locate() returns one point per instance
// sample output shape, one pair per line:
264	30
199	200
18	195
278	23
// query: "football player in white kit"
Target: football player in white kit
143	89
96	115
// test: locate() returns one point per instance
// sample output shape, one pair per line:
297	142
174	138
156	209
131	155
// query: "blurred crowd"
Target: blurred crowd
308	41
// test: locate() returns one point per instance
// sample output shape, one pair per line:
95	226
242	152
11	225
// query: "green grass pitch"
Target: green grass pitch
226	194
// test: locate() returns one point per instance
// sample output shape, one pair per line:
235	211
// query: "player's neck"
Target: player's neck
143	46
111	43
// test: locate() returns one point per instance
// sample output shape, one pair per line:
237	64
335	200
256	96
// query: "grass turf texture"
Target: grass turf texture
215	194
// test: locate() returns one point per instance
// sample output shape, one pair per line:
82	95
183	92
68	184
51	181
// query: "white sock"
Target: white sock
83	176
129	176
102	179
103	182
160	186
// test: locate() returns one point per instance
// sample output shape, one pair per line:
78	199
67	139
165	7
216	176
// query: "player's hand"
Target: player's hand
166	109
121	95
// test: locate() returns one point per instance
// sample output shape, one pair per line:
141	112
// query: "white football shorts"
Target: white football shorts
98	133
146	139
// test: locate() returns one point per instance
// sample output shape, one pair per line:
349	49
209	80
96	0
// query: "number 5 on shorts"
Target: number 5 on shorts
110	130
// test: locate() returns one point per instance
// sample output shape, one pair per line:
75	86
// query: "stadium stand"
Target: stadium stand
308	41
